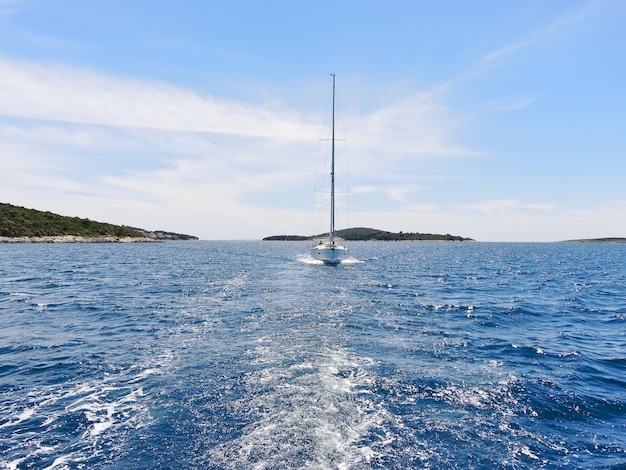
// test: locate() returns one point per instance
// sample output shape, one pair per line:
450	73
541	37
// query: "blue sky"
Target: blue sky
500	121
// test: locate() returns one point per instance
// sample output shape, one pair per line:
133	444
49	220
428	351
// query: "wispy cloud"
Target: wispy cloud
502	206
129	128
397	193
59	93
511	103
125	145
541	34
419	124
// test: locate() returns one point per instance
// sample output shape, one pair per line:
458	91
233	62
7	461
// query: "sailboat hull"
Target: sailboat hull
329	254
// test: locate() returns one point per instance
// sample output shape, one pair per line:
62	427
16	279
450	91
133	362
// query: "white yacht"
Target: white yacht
330	250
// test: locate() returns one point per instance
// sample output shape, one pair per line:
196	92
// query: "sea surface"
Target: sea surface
237	355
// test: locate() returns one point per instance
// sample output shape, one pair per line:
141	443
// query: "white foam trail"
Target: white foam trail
308	259
64	459
111	406
317	413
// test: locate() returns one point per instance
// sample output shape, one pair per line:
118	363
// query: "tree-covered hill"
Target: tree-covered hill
365	234
16	221
371	234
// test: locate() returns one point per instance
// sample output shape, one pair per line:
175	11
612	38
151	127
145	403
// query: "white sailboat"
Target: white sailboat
330	250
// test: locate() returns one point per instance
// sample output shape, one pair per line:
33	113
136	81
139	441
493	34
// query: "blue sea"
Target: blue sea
248	355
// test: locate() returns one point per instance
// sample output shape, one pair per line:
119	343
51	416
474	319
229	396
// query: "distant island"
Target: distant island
371	234
599	240
22	225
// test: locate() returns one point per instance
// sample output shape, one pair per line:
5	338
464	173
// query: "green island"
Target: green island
371	234
19	224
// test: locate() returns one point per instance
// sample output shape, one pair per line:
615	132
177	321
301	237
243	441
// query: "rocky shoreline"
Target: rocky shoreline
77	239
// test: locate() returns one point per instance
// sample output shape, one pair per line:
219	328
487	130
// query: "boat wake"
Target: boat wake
94	417
352	260
308	259
317	413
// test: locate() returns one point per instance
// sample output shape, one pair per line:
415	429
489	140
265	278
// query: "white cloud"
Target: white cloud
58	93
541	34
415	125
511	103
400	193
152	155
501	206
118	149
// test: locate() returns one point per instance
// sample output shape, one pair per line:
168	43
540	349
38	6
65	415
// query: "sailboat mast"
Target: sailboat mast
332	173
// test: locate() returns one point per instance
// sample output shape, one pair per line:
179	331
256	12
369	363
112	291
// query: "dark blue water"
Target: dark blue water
246	355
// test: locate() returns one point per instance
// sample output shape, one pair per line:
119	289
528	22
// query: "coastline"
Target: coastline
77	239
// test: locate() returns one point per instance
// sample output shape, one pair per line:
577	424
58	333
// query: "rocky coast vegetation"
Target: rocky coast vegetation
22	225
